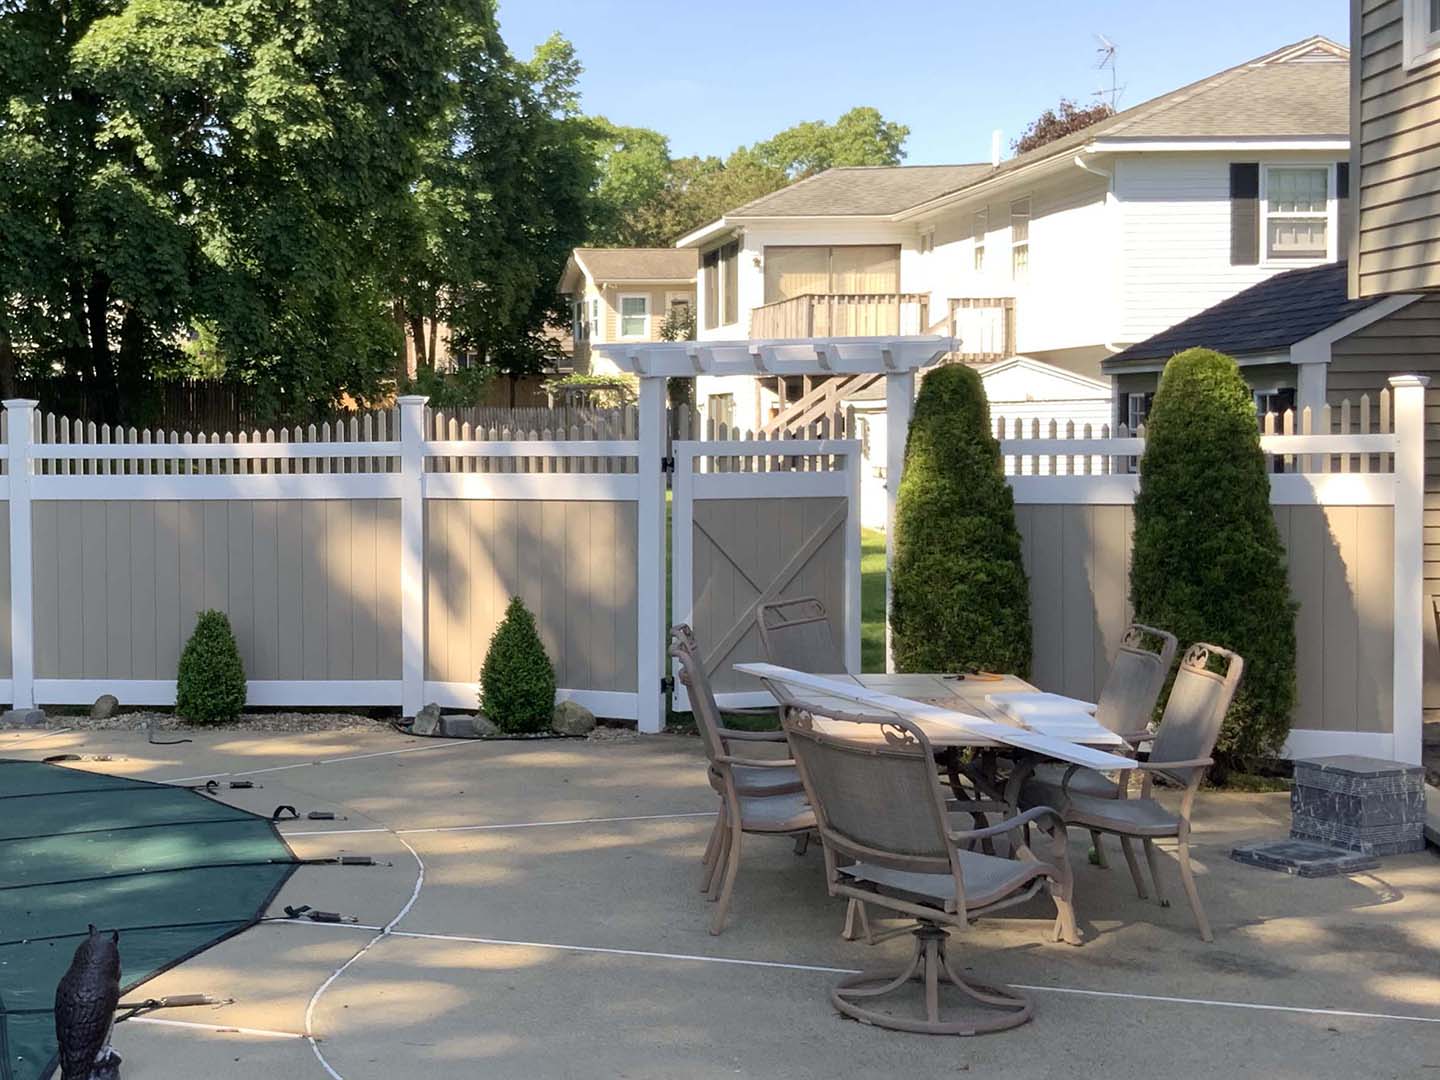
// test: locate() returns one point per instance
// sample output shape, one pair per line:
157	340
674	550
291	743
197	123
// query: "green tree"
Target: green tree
859	137
961	599
210	682
1208	563
634	174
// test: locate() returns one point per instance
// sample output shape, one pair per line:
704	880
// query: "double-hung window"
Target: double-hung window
1296	212
635	316
1020	239
1421	32
982	226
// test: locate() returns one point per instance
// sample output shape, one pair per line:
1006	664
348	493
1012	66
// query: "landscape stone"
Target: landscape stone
1359	803
485	728
427	720
1303	859
105	707
572	718
23	717
463	726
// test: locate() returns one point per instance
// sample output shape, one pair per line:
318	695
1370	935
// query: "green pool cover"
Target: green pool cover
174	871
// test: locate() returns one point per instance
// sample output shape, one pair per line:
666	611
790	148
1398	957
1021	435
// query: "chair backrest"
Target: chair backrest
697	685
796	634
1199	700
874	787
1137	675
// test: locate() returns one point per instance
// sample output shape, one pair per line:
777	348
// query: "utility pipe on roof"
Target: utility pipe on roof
1109	177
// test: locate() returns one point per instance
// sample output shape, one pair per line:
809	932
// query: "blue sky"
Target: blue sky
713	76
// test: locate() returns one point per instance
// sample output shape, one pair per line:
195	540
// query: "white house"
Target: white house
623	294
1064	255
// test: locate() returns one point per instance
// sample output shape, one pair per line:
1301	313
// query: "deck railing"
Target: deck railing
841	315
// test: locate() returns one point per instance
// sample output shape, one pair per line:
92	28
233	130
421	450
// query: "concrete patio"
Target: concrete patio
537	915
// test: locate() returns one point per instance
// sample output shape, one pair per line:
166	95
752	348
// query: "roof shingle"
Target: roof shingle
862	190
639	264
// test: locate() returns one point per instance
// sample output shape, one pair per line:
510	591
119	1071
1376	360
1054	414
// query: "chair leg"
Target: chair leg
1097	841
1152	856
1065	928
802	843
1187	876
722	854
853	910
732	867
1128	848
713	844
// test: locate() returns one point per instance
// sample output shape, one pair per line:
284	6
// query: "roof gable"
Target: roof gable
637	264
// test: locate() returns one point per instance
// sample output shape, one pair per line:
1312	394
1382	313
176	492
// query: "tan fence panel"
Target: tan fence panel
573	562
310	586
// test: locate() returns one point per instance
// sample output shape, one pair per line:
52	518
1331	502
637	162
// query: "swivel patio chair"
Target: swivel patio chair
757	795
1125	706
881	813
1179	754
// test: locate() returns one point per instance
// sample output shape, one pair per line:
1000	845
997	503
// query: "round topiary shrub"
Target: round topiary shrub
1208	562
517	681
960	597
210	685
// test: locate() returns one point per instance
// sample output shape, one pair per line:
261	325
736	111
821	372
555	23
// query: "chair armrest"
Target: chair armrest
1165	766
740	735
1008	825
757	763
1134	738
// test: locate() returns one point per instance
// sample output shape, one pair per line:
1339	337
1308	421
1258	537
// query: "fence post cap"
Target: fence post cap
413	399
1409	380
20	403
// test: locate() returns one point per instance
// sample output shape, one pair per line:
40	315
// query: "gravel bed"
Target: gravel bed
160	721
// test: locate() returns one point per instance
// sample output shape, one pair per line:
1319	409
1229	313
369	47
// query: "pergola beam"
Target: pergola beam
803	356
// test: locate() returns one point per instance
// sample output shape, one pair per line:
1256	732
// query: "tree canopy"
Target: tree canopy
1056	123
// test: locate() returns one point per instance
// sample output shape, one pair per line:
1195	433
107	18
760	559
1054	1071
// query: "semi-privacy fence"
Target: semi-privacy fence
367	562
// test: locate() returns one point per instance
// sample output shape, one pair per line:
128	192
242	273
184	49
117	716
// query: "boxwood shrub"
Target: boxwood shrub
1208	561
517	681
210	685
961	600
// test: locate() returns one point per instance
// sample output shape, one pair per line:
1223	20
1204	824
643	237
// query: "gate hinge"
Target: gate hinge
667	464
667	684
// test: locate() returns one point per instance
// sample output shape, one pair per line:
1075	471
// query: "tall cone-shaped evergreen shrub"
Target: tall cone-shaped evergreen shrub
210	684
961	600
1208	561
517	681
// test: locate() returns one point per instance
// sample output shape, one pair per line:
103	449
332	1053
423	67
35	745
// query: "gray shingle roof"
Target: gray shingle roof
862	190
1265	318
639	264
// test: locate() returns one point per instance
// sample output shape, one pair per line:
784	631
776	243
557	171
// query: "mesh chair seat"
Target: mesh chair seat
1047	782
1134	817
988	879
754	780
776	813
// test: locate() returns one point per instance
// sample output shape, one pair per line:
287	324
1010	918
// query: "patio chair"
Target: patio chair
1126	703
796	634
1179	754
757	795
881	813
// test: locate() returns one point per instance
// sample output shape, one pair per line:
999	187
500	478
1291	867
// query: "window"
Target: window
982	226
577	320
1421	32
1296	212
1020	239
1137	409
720	281
635	316
710	287
927	236
730	278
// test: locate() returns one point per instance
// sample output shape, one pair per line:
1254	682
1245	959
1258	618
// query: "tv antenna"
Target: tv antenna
1105	50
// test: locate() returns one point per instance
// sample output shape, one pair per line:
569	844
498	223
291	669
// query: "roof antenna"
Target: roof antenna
1106	53
995	148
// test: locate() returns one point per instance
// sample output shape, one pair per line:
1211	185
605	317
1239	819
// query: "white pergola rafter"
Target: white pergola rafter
897	358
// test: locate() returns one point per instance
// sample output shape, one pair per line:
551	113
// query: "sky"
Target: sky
714	76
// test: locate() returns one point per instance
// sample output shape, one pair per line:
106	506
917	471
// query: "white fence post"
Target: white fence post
1409	629
650	558
21	422
412	553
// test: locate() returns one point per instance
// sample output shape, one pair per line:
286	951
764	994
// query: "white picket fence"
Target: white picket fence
1347	488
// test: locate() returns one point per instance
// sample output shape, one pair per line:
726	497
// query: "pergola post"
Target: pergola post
650	557
899	398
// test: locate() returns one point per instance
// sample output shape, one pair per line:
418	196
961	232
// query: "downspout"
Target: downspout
1109	179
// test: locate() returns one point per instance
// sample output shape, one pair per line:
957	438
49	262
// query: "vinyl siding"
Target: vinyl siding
1395	157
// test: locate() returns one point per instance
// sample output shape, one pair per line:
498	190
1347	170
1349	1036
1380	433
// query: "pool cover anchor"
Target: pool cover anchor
305	911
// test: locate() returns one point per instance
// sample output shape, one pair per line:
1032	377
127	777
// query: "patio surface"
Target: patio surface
544	922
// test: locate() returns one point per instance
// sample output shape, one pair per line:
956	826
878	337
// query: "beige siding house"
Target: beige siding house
1395	146
624	294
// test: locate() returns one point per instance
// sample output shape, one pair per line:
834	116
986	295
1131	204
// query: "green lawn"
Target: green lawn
872	600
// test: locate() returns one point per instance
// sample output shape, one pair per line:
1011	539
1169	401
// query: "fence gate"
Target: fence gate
751	524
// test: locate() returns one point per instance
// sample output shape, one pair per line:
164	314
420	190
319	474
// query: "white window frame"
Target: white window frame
644	334
1016	276
597	325
927	240
980	231
1422	40
1331	214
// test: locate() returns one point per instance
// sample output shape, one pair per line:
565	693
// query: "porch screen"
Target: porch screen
852	268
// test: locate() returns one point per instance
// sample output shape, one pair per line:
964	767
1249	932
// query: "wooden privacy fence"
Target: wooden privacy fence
1347	491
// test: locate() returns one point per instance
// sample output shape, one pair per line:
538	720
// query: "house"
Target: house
1065	254
624	294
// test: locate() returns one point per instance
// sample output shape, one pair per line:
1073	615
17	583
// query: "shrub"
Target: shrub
517	682
1208	562
210	685
961	600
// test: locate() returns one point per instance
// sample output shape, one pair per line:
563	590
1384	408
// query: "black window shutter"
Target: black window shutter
1342	179
1244	213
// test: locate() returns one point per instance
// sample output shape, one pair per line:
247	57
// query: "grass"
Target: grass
872	600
